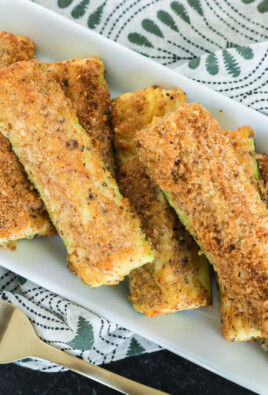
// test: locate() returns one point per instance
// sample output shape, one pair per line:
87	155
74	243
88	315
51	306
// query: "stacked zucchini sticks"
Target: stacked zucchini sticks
188	156
22	213
101	232
192	185
179	277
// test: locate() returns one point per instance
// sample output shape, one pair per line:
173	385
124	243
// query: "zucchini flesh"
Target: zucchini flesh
179	277
188	156
22	213
102	235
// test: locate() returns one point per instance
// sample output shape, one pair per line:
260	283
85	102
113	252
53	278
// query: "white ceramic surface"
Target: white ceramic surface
194	335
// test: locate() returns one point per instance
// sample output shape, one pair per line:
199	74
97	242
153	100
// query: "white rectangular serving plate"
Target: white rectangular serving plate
194	335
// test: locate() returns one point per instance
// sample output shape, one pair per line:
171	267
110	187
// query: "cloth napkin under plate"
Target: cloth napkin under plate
220	43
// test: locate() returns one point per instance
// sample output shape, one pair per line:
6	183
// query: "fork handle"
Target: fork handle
112	380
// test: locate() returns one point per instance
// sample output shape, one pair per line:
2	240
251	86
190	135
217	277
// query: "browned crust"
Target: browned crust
139	112
83	82
22	213
188	157
171	283
263	163
234	327
243	143
14	48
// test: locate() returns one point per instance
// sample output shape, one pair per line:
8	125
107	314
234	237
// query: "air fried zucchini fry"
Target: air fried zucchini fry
234	327
178	279
22	213
188	156
101	232
83	82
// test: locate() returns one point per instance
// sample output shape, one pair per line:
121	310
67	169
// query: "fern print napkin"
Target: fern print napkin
211	41
220	43
69	327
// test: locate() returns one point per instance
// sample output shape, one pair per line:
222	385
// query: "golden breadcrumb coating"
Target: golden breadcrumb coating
14	48
263	161
243	142
99	228
188	156
179	278
22	213
83	82
234	327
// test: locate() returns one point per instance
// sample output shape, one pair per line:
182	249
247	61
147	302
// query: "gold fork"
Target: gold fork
19	340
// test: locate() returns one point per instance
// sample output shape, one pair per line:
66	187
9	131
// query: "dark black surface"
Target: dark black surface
162	370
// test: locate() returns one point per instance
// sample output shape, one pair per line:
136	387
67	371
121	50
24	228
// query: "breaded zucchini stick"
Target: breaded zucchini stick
234	327
179	278
188	156
22	213
99	228
83	82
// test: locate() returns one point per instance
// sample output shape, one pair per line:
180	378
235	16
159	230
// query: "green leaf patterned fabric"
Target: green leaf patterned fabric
135	348
84	338
95	18
196	4
222	44
21	280
80	9
194	63
64	3
230	63
167	20
245	52
151	27
263	6
140	40
180	10
212	64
